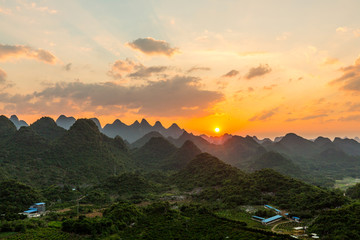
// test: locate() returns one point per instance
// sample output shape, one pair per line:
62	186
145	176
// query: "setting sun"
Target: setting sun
217	130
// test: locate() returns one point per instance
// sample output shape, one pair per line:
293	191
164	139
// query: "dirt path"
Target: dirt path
273	228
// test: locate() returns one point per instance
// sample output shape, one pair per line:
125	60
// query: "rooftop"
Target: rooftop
272	218
260	218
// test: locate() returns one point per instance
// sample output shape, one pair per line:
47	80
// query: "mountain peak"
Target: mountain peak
146	138
322	141
65	122
47	128
14	118
144	123
97	122
84	126
117	122
135	124
18	123
44	121
174	126
7	127
158	125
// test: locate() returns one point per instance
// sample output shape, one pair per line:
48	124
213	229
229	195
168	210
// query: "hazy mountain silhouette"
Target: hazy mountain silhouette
143	140
154	154
65	122
97	122
238	151
262	141
217	139
137	130
182	156
349	146
277	162
18	123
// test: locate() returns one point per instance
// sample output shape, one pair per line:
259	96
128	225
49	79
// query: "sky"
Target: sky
261	68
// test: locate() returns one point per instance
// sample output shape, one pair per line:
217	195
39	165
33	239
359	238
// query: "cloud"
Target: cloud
20	51
330	61
350	118
270	87
67	67
232	73
5	11
42	9
309	117
3	76
123	67
354	31
193	69
151	46
144	72
129	68
350	80
264	115
314	116
178	96
258	71
342	29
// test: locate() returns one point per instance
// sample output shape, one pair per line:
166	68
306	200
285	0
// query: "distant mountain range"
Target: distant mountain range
72	146
130	133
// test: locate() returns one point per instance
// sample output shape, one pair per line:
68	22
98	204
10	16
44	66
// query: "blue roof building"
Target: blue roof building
38	208
272	219
258	218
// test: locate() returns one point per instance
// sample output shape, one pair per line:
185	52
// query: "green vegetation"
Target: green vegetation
346	183
16	197
163	221
243	216
95	187
341	223
225	184
354	191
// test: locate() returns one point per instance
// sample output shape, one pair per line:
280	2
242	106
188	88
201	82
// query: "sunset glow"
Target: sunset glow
257	67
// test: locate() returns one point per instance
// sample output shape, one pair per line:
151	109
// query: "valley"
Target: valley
101	187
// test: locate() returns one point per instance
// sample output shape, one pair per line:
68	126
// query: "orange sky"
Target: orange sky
259	68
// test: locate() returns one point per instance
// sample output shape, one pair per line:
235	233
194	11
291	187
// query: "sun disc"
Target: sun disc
217	129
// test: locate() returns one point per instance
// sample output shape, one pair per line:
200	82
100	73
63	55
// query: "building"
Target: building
256	218
267	220
271	220
35	210
272	208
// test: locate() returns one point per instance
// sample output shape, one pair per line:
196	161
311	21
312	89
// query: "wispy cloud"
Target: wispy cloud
123	67
68	67
144	72
231	73
330	61
131	69
151	46
21	51
309	117
350	79
258	71
3	76
193	69
354	31
264	115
